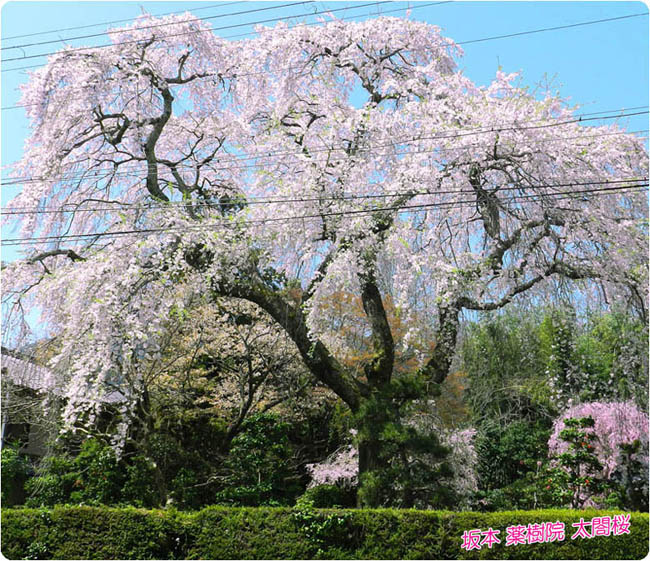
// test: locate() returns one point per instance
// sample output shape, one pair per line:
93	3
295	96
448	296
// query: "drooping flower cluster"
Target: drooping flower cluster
342	467
463	460
171	165
615	423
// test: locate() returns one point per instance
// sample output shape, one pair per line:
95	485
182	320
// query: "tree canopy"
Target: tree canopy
303	163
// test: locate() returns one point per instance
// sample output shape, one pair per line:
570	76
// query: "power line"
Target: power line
122	207
439	136
552	28
137	173
400	210
591	22
418	6
614	110
108	32
222	5
364	212
19	105
477	130
234	26
240	35
345	18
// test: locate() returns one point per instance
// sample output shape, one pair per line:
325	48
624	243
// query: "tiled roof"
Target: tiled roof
38	378
29	375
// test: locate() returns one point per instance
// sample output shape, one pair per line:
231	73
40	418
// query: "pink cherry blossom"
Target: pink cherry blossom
615	423
306	162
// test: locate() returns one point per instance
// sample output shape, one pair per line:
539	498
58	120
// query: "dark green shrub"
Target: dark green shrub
16	469
327	496
188	445
55	481
630	479
79	532
281	533
580	461
184	491
100	478
325	532
508	454
94	476
257	466
504	360
409	466
139	486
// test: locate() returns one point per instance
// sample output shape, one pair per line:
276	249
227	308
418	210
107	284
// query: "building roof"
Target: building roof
27	374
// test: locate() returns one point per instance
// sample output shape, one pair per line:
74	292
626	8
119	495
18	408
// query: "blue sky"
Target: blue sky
601	67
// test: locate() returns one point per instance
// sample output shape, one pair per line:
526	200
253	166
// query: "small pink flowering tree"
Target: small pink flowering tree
176	163
342	467
617	437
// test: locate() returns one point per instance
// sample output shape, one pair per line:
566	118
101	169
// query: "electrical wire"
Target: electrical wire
233	26
240	35
419	6
556	28
483	39
207	18
122	207
438	136
222	5
399	210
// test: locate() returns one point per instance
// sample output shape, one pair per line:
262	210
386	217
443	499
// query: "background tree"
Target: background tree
286	168
615	423
510	367
579	461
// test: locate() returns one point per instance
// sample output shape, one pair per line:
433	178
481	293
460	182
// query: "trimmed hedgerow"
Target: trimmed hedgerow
80	532
75	532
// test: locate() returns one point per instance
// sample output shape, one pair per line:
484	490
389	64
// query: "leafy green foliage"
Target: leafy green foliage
501	356
280	533
82	532
568	479
187	446
15	471
523	365
327	496
630	479
409	468
580	461
55	481
323	531
139	479
545	487
100	479
512	466
507	454
258	465
557	345
600	359
613	354
94	476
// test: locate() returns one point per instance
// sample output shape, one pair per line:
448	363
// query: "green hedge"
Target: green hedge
281	533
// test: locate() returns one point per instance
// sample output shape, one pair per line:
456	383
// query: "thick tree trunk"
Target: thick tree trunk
372	461
141	438
369	450
437	368
371	401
